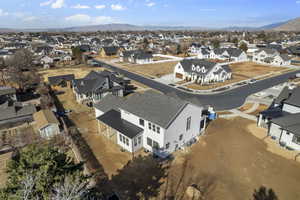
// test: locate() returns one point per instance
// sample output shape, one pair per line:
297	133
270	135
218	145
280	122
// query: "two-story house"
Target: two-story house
136	56
229	54
271	56
153	121
202	71
283	118
96	85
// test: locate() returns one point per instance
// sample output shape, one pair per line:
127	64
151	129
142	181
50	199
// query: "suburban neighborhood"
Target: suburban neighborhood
115	111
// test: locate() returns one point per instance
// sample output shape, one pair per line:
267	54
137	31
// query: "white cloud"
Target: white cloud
117	7
46	3
100	6
88	20
3	13
79	6
58	4
298	2
150	4
30	19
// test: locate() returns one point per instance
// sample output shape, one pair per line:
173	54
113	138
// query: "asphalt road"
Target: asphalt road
221	101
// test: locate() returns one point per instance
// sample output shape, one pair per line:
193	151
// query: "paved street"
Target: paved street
221	101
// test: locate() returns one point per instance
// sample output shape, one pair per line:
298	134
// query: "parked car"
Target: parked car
252	81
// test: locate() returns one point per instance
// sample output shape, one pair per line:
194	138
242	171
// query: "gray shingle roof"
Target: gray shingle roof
208	66
285	57
284	94
109	102
113	119
54	80
155	107
287	120
12	112
294	99
188	63
84	86
7	90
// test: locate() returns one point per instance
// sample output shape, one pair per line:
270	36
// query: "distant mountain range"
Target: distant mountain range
291	25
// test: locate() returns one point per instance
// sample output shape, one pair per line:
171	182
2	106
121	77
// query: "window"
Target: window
135	142
127	142
149	142
155	145
180	137
296	139
140	140
120	137
188	123
158	129
142	122
287	133
167	145
202	124
153	127
149	126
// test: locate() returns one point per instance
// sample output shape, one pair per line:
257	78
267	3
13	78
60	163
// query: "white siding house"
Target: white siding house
283	119
158	123
201	71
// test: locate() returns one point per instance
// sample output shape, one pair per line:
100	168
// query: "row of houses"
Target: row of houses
272	57
282	119
14	114
228	54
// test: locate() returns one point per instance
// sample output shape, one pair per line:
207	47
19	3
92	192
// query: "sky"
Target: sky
200	13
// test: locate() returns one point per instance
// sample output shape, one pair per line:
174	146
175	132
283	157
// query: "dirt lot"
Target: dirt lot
246	107
79	71
261	108
151	70
229	157
157	58
107	153
250	69
240	72
4	158
237	162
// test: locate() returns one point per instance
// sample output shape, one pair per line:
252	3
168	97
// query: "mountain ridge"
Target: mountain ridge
290	25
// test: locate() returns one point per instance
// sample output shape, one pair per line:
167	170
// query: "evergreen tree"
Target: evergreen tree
264	194
43	172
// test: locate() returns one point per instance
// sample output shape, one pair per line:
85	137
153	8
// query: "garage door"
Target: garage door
178	75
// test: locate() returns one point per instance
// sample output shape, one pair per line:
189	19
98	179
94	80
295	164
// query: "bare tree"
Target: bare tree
27	187
22	69
70	189
2	69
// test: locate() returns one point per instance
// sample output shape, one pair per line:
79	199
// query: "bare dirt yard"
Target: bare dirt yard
260	108
251	69
236	162
156	70
158	58
229	162
79	71
106	152
242	71
246	107
4	159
